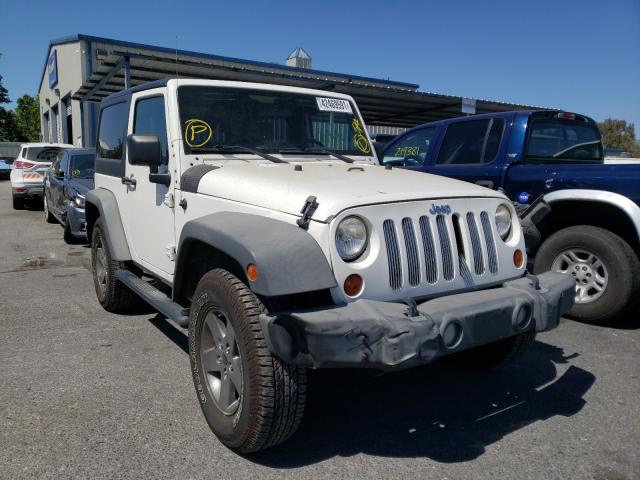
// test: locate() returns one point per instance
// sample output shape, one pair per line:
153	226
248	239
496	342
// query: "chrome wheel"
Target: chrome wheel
587	270
100	265
221	361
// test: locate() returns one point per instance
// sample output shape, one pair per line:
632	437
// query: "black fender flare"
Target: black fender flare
288	258
106	205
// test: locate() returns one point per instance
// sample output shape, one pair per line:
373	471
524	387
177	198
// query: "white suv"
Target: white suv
27	173
258	217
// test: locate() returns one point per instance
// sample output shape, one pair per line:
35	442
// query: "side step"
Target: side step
155	298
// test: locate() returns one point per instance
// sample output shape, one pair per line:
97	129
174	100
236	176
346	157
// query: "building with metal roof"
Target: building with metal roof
81	70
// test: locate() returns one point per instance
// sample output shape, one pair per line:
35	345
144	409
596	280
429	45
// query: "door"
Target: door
51	183
60	175
470	151
148	207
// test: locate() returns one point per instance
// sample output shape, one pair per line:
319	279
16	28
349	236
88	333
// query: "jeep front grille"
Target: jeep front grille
447	250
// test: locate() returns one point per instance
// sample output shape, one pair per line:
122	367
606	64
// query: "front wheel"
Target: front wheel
605	268
250	399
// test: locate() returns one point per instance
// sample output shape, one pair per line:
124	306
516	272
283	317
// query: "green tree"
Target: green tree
619	134
4	94
28	118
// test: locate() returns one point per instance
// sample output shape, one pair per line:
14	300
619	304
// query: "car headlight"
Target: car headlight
351	238
503	221
79	201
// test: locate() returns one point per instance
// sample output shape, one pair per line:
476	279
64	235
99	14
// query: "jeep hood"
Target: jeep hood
336	186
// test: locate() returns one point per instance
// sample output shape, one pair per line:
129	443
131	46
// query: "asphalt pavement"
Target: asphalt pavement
88	394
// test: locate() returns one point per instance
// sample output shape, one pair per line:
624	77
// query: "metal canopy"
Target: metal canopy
118	65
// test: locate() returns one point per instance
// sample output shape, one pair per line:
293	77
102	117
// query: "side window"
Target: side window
113	120
64	164
411	149
493	140
463	143
150	120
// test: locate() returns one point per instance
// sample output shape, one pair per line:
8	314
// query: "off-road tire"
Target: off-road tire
18	203
273	396
48	216
115	297
498	354
620	260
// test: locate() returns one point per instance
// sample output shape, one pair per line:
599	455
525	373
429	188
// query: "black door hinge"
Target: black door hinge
310	206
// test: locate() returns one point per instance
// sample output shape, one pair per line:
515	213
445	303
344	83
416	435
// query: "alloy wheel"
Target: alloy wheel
588	271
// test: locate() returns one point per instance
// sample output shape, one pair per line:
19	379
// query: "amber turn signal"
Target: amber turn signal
353	285
518	258
252	272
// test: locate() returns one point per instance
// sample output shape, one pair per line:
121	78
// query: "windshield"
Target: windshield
554	138
42	154
82	166
268	121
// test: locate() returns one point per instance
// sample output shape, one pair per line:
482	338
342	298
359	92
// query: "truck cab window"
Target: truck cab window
560	139
410	150
150	120
463	144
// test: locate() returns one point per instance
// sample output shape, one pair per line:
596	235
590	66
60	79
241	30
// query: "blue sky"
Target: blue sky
579	55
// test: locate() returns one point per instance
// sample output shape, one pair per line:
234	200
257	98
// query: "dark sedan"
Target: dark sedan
65	186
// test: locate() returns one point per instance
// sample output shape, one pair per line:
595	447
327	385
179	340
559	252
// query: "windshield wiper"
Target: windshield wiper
311	151
232	148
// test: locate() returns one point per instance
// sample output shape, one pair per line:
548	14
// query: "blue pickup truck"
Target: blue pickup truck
580	215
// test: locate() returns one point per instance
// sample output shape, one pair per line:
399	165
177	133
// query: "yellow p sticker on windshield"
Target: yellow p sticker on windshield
197	132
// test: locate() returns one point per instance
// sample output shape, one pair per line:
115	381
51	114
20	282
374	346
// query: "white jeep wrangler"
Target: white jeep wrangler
258	217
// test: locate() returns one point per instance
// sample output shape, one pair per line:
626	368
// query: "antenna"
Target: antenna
177	75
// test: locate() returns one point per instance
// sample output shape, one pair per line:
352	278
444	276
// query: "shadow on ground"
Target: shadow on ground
442	411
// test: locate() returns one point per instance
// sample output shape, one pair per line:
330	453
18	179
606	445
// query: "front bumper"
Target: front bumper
385	335
77	221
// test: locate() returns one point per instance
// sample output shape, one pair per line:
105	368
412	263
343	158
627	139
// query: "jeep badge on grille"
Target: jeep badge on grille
437	209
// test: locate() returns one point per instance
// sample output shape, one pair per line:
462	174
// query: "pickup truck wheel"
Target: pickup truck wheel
498	354
250	399
604	266
49	218
113	295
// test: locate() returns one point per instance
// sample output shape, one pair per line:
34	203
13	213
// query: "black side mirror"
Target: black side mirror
144	150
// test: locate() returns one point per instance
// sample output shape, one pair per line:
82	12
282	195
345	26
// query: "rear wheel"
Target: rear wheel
604	266
112	294
18	203
49	218
250	399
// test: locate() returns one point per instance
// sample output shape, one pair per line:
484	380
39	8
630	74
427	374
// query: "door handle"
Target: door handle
486	183
128	181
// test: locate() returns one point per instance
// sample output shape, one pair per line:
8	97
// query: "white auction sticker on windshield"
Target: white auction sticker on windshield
333	105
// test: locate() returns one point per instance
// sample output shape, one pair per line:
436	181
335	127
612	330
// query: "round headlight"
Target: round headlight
503	221
351	238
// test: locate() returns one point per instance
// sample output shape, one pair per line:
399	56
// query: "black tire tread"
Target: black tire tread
623	299
18	203
282	388
118	297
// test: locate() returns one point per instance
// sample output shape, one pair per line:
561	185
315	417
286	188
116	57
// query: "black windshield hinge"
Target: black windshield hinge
307	212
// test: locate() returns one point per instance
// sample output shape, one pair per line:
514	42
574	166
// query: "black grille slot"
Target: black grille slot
491	246
393	254
431	262
478	261
445	247
411	246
